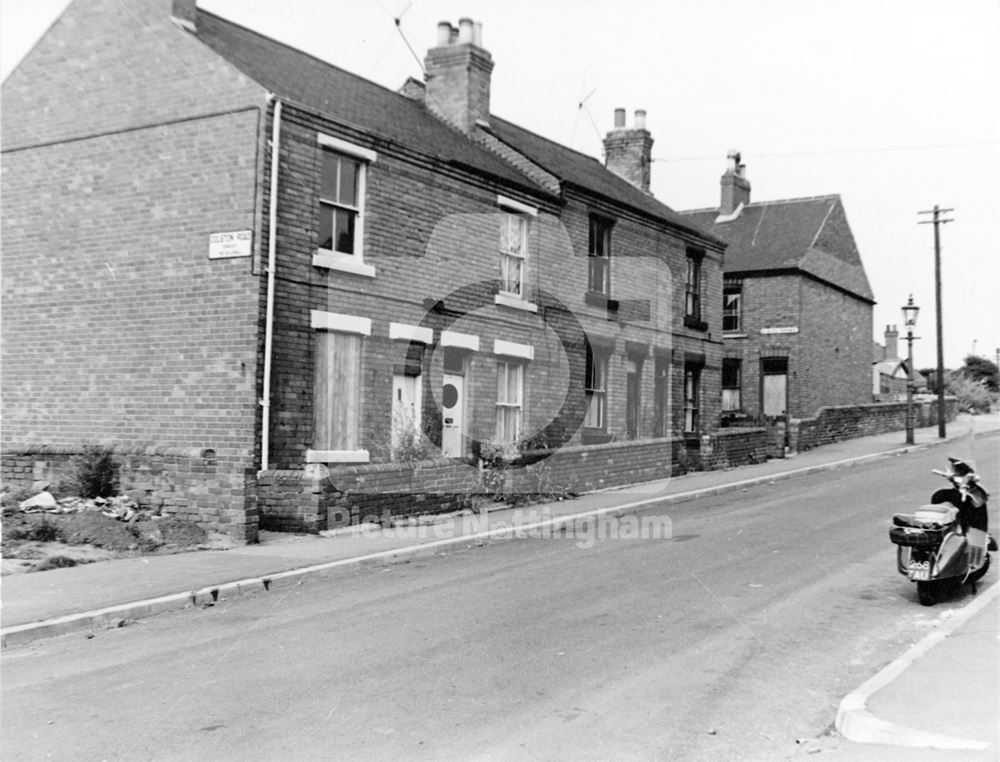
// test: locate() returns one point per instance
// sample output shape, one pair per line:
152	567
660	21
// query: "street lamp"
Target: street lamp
910	311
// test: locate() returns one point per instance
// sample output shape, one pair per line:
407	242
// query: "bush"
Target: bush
95	472
407	443
973	396
495	458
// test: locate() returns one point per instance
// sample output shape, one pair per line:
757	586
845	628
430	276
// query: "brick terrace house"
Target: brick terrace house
797	306
245	269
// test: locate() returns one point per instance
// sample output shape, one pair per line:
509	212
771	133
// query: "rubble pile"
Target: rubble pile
121	507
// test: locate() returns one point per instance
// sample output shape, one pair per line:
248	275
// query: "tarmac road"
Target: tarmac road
730	641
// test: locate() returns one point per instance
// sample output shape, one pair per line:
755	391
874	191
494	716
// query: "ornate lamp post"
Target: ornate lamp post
910	311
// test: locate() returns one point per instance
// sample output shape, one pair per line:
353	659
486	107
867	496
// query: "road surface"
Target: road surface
731	640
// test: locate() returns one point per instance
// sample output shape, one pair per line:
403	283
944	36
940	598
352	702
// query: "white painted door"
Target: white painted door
453	416
405	406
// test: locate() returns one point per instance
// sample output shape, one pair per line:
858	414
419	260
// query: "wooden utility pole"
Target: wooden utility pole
937	221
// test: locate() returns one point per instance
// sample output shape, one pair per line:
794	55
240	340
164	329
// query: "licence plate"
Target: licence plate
919	570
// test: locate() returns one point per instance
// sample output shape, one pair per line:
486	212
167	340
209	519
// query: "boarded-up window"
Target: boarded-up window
337	390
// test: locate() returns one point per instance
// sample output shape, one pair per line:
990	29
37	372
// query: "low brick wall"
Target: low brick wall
832	424
193	484
314	499
732	447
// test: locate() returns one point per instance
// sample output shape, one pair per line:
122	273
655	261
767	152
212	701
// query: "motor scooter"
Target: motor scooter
946	543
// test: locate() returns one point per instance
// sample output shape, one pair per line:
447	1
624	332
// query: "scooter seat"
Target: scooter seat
927	516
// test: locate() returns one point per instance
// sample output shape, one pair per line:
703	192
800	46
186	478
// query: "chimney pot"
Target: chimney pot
465	31
628	153
477	34
458	76
735	186
444	33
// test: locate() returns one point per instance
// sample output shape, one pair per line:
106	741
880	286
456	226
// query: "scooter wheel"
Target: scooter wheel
925	592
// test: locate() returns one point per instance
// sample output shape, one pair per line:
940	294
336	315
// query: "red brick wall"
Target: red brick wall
829	357
430	230
832	424
191	484
835	366
117	166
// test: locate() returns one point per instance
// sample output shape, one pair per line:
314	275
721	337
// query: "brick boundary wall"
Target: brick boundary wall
311	500
194	484
732	447
832	424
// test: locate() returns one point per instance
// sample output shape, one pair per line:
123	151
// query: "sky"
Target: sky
893	104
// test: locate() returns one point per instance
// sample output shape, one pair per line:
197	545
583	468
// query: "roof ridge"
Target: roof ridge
823	197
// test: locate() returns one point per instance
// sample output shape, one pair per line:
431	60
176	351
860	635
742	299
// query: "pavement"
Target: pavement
899	707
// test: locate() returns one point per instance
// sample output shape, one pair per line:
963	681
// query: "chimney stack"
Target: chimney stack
891	343
735	186
458	75
628	151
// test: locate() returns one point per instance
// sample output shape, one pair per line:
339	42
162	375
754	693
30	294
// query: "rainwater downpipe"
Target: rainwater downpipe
272	223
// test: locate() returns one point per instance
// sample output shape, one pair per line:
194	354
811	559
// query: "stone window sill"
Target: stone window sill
514	302
337	456
345	263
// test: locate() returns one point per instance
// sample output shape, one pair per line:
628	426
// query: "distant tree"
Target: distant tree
980	369
973	396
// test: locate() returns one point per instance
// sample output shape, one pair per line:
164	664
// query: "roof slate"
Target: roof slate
806	234
587	172
347	98
326	89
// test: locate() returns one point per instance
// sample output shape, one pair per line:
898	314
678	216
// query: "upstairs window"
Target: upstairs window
340	203
599	256
732	306
513	254
343	170
692	286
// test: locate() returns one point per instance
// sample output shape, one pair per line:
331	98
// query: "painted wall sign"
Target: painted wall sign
230	245
784	329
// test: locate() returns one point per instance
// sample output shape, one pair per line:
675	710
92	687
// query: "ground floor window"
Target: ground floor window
337	390
774	386
660	390
732	386
596	390
510	400
692	397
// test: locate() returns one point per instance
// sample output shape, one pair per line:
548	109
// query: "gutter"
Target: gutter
272	222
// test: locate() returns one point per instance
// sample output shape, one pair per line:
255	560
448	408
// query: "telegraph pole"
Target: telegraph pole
937	221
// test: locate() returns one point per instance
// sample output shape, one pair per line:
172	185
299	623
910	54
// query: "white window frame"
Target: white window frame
504	405
336	260
513	209
339	323
596	390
